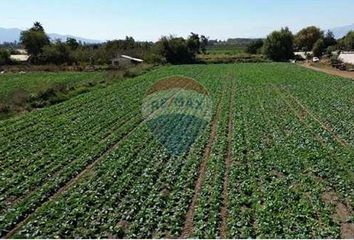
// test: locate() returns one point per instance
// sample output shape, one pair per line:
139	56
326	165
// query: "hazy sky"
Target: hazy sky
150	19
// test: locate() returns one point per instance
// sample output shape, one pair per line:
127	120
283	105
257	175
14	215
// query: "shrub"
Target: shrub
4	108
335	60
57	53
19	96
175	50
4	57
331	49
255	47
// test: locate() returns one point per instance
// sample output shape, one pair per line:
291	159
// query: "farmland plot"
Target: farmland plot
35	82
273	158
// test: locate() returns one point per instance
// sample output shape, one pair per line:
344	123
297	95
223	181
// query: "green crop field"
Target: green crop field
270	155
39	81
23	92
225	50
229	54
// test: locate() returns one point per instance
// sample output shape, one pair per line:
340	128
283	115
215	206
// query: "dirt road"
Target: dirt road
330	71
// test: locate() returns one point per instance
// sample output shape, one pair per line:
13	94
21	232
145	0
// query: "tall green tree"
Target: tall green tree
72	43
329	39
193	43
4	57
204	41
318	48
306	38
278	46
175	50
348	41
34	39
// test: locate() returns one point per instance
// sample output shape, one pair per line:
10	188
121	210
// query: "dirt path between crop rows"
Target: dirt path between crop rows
330	71
224	212
75	179
189	223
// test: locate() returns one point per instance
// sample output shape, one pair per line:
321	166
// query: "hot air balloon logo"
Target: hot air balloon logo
177	109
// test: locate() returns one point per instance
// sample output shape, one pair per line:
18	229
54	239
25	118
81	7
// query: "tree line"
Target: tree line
171	49
280	45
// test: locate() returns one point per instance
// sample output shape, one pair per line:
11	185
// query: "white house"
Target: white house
21	56
347	57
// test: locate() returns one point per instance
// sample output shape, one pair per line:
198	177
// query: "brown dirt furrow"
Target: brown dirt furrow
343	213
347	231
228	161
189	223
76	178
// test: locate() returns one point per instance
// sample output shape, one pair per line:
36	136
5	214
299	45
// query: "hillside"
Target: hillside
13	34
340	32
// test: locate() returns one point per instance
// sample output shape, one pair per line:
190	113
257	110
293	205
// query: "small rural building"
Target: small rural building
303	55
20	56
125	60
347	57
21	51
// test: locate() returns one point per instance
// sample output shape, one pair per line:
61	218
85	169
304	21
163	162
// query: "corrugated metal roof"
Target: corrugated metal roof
303	54
21	51
131	58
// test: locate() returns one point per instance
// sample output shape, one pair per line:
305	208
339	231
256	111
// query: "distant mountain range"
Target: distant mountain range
13	34
340	32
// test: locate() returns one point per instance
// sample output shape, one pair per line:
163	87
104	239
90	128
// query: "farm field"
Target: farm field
226	49
33	82
275	159
229	54
23	92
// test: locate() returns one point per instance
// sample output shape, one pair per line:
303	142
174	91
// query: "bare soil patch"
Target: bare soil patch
330	71
347	231
342	213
